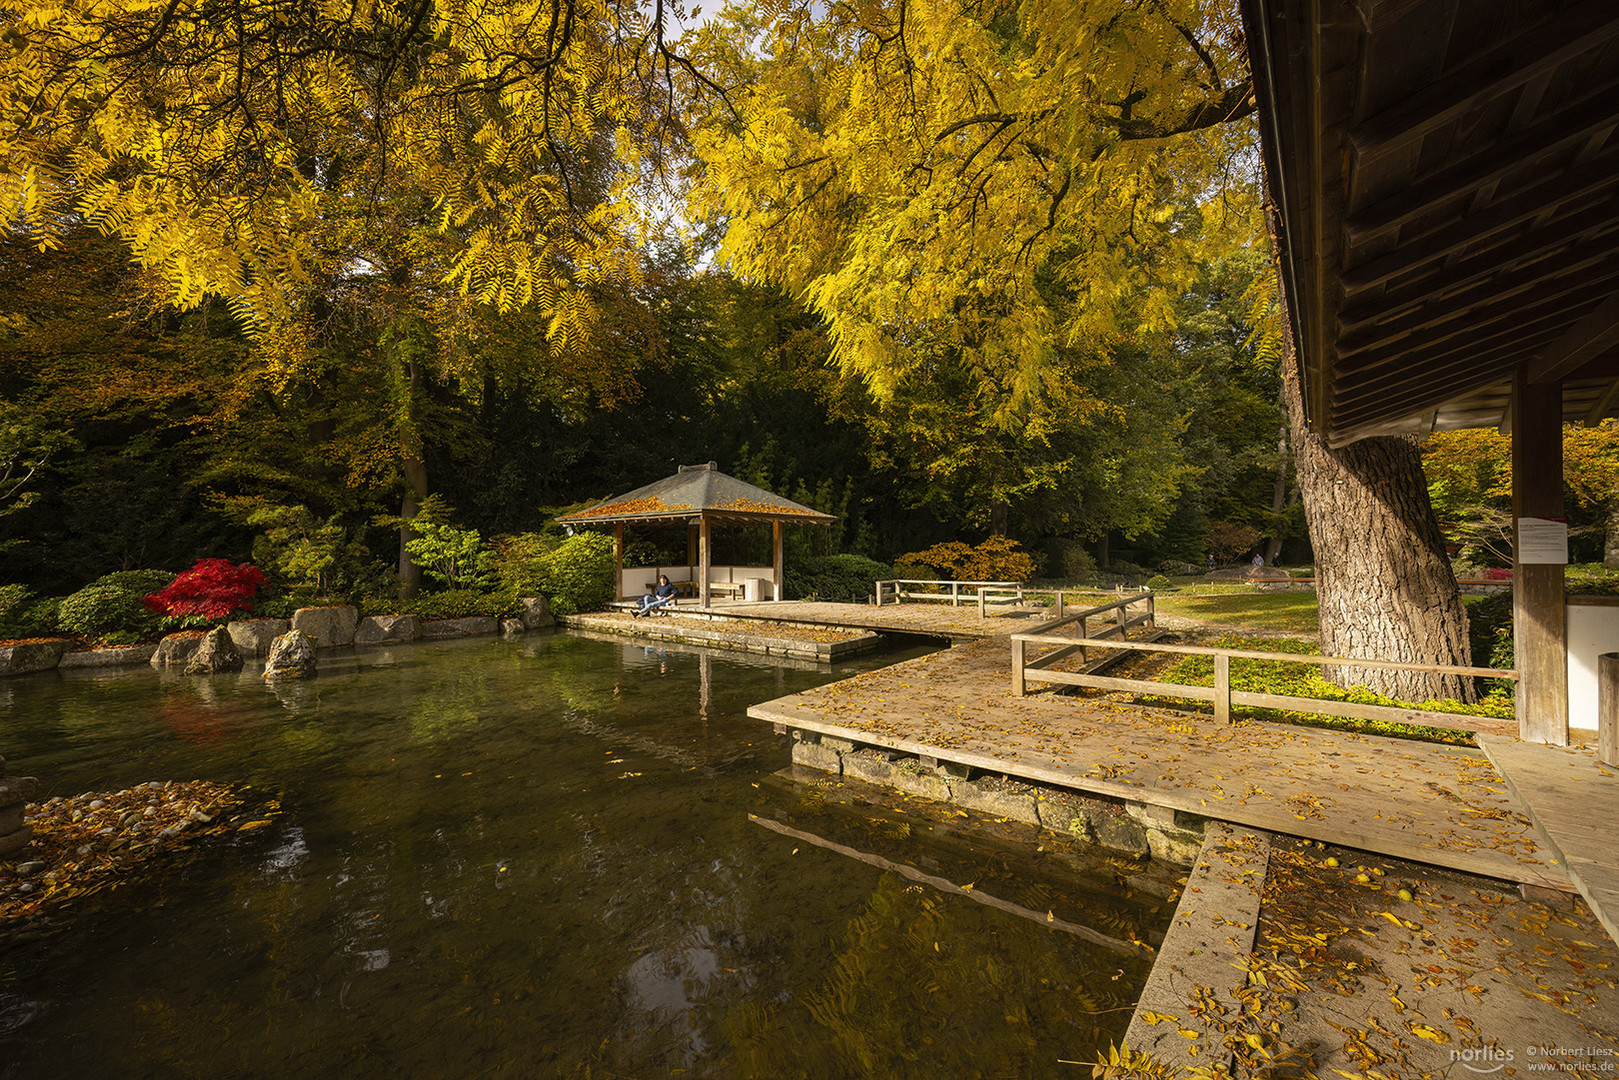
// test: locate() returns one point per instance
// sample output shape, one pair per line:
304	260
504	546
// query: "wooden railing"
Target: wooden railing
1122	622
1025	671
895	593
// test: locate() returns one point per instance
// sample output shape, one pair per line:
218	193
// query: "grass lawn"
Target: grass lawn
1247	609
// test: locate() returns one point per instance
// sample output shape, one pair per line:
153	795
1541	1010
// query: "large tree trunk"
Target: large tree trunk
1384	583
415	470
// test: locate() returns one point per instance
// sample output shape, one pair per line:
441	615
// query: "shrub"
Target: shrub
519	562
24	615
458	604
1489	633
579	574
996	559
1067	560
116	604
212	589
1159	583
834	577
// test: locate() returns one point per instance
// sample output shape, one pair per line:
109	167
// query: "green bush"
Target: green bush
1159	583
520	562
579	574
458	604
24	615
848	578
1067	560
116	605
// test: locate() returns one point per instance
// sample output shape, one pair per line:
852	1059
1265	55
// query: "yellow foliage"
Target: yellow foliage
996	559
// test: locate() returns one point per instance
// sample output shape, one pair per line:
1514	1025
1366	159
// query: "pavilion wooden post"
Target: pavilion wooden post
1539	619
618	560
704	558
691	543
777	560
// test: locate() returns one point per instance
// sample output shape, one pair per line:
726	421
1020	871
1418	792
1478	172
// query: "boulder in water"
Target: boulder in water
292	656
216	653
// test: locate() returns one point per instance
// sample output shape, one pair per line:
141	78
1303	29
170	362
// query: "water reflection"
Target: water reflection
521	859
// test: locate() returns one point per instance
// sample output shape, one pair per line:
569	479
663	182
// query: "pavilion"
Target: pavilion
701	496
1445	176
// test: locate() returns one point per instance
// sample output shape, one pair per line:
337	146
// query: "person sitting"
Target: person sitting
653	600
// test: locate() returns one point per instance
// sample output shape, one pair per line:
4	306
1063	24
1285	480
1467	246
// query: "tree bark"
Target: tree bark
1384	584
415	470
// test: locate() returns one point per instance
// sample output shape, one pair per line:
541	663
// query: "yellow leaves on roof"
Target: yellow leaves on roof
649	505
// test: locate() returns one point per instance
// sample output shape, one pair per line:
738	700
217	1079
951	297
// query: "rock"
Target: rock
177	649
327	626
216	653
18	789
292	656
32	867
512	627
387	629
118	656
15	840
22	657
537	613
453	628
252	637
11	818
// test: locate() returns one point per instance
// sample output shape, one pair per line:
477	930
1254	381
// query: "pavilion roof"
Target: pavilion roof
694	492
1444	175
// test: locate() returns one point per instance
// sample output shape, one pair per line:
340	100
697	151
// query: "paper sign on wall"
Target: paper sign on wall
1543	540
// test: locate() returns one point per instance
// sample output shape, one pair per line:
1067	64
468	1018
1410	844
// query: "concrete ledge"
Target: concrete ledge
1208	941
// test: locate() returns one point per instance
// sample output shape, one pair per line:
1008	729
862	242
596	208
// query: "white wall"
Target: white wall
634	580
1593	629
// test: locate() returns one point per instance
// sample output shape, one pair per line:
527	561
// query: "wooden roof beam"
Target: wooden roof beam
1554	41
1483	273
1585	340
1524	206
1576	120
1603	403
1458	315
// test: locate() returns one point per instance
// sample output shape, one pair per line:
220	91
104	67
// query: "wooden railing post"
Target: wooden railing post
1019	686
1608	708
1222	688
1059	603
955	594
1152	611
1084	632
981	601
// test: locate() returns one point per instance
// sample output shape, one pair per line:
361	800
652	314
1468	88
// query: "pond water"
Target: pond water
559	856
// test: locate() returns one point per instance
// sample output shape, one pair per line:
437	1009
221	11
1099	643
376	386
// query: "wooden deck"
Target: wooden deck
1444	806
925	619
1574	801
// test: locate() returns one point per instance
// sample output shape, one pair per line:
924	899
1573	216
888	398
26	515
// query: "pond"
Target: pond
557	856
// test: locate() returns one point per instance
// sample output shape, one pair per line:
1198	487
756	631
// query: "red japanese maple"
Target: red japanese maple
214	588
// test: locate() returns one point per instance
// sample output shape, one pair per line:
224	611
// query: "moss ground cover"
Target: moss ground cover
1244	607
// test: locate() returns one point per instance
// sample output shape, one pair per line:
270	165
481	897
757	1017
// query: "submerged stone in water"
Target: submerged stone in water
291	657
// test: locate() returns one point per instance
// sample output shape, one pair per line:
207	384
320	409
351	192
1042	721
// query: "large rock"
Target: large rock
21	657
216	653
537	613
15	791
292	656
252	637
387	629
512	627
327	626
117	656
453	628
177	649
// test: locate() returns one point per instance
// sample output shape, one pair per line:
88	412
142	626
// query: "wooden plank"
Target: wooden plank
1132	686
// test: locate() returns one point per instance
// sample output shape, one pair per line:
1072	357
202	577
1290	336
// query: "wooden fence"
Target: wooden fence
895	593
1025	671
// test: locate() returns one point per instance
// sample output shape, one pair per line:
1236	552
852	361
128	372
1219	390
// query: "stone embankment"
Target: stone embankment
226	648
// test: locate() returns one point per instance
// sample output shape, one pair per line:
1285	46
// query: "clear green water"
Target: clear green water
536	859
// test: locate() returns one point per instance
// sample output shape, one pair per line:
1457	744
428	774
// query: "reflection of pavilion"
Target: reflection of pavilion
700	496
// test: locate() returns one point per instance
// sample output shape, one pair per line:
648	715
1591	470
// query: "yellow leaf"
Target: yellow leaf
1423	1031
252	825
1153	1018
1190	1034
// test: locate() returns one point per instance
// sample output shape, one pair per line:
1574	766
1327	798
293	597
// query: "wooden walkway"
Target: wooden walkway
926	619
1440	805
1574	802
